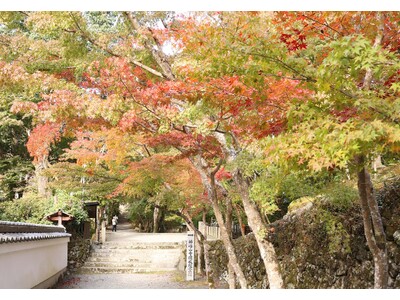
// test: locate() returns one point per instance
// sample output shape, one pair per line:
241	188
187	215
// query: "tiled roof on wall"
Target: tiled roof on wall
11	232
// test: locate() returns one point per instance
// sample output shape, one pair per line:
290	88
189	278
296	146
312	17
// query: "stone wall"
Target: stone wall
324	247
78	252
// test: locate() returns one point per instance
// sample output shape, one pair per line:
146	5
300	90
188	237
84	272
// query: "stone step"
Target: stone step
138	249
154	259
118	253
134	245
121	270
116	265
97	258
113	264
133	257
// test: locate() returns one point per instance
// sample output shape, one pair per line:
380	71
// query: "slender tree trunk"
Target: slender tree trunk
266	248
156	217
254	218
200	258
42	180
203	242
230	250
242	226
373	227
208	181
231	277
228	215
228	224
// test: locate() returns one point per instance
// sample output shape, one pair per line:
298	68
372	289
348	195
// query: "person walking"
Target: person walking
114	223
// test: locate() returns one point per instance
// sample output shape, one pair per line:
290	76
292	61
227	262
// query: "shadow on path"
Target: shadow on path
129	281
123	238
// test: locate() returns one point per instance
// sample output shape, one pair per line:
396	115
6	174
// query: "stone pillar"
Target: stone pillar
103	231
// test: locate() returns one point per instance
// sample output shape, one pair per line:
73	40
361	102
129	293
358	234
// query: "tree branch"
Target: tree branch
86	36
156	52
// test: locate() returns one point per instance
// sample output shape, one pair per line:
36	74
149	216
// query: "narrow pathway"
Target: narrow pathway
129	281
132	260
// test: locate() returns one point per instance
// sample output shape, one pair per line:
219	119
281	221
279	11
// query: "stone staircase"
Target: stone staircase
134	257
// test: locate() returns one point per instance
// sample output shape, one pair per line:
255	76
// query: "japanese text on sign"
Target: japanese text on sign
190	256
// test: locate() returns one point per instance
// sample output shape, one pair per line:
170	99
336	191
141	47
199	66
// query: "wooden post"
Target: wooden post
59	218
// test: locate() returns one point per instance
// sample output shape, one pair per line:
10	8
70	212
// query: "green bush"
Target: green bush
141	214
31	208
341	196
69	204
338	237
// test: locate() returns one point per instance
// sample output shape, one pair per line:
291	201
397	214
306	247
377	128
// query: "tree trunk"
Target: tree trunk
228	224
373	227
228	216
266	248
230	250
242	226
208	181
202	243
42	180
231	277
156	217
200	258
210	278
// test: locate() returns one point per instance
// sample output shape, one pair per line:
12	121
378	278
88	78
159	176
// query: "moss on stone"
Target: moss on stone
324	247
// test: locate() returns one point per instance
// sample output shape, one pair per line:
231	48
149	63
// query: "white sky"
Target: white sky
199	5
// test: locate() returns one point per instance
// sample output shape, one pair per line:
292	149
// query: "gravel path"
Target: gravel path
129	281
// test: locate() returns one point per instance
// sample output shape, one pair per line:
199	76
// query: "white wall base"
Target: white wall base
33	264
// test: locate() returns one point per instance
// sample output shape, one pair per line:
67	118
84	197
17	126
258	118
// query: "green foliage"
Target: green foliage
277	184
69	204
300	202
173	222
15	163
341	196
31	208
263	193
141	214
14	174
338	237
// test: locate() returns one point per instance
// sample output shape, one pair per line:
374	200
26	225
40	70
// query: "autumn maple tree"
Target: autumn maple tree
351	117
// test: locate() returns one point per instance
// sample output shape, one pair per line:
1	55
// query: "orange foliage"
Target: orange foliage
41	138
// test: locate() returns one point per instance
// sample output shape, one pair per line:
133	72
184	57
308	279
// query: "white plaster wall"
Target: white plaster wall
27	264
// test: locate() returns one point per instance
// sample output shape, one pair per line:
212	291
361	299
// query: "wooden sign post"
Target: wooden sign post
190	256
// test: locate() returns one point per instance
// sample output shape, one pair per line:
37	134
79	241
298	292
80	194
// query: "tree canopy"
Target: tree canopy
200	110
